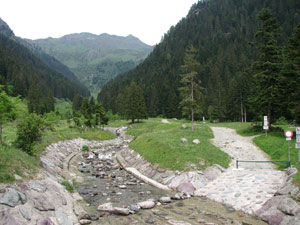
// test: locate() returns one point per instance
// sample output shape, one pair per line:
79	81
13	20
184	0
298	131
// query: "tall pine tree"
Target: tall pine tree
190	90
268	78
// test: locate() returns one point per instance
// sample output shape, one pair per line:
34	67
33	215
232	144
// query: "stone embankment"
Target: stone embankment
43	200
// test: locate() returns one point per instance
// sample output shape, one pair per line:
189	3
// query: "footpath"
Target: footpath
252	184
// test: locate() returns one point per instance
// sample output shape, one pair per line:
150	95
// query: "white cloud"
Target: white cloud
145	19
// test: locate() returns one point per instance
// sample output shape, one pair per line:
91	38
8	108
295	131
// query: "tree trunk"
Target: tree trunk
245	110
242	113
132	121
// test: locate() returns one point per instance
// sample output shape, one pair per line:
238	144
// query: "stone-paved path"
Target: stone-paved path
248	187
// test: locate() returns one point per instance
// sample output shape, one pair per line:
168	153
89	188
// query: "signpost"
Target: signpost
288	134
266	124
298	141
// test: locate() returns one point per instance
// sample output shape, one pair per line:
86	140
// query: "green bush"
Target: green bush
85	148
29	131
70	187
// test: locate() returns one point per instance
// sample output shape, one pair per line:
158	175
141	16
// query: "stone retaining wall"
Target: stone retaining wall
186	182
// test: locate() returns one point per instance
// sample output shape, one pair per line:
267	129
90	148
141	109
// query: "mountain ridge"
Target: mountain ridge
95	59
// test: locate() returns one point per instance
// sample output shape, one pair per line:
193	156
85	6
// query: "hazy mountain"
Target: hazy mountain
221	32
95	59
24	66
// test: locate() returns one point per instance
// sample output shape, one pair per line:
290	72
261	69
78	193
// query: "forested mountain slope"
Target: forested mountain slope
22	69
221	32
95	59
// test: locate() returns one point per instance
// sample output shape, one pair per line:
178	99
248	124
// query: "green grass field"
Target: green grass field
160	144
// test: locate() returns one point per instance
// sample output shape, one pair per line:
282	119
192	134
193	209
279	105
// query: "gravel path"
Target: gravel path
248	187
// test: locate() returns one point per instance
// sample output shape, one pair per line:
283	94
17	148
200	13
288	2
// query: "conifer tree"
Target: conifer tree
77	101
135	107
86	111
190	89
268	78
292	73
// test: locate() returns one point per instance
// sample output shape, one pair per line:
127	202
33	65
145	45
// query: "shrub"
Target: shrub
29	131
85	148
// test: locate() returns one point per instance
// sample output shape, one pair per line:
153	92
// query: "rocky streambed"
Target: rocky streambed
110	194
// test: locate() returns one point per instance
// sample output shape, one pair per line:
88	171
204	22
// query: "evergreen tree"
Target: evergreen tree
86	111
100	115
190	89
292	73
268	78
135	107
77	102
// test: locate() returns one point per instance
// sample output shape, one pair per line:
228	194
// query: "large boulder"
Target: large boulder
289	206
12	198
42	204
186	187
62	218
45	221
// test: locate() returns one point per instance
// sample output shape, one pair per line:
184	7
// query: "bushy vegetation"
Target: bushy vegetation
24	139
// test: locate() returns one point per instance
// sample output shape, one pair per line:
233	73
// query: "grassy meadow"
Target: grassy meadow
160	144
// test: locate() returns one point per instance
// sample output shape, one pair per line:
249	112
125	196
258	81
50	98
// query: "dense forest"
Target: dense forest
23	73
224	34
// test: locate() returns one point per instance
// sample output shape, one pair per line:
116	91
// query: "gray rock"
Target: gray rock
150	221
196	141
62	218
289	206
42	204
17	177
45	221
183	126
212	172
135	208
186	187
176	197
105	207
12	198
25	213
2	189
122	186
177	222
288	190
85	221
7	219
119	211
273	217
146	204
165	199
37	186
183	140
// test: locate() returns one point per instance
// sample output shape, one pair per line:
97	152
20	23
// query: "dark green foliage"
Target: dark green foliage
86	111
292	73
77	101
29	131
7	109
134	103
38	101
268	85
221	32
20	68
100	115
85	148
190	94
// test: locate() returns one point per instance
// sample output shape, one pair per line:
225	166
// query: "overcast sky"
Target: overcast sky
146	19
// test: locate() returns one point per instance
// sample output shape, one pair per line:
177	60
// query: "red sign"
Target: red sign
288	134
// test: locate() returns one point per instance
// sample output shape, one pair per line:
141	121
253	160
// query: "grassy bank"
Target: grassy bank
160	144
14	161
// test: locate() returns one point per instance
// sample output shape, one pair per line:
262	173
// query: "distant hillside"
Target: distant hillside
95	59
20	67
221	32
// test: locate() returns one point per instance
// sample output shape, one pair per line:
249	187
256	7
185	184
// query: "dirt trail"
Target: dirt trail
248	187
